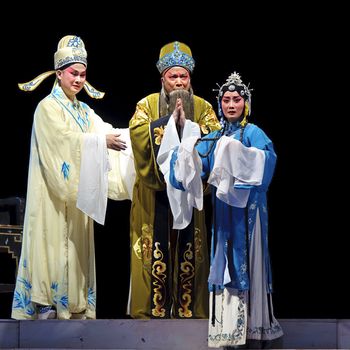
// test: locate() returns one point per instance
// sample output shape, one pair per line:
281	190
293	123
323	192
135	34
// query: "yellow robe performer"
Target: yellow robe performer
169	269
57	264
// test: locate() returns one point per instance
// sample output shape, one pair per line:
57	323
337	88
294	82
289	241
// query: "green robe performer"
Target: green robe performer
169	268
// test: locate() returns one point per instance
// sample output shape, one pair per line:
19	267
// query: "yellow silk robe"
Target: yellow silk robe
57	264
162	288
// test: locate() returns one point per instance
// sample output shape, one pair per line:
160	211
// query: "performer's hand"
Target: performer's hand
179	114
114	142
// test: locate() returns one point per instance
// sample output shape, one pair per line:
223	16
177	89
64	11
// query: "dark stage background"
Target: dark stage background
278	54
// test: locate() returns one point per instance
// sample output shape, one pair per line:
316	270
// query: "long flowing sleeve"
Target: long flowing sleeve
93	184
104	173
233	168
182	203
121	177
261	141
235	162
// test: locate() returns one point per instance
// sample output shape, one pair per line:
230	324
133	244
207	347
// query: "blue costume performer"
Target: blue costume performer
238	162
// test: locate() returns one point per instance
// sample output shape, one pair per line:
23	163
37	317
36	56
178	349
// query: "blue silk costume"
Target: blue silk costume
233	227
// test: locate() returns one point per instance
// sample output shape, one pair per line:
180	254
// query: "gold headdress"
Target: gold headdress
70	49
175	54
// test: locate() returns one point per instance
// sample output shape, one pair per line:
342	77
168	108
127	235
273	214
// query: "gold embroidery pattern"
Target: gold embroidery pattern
147	231
186	276
158	272
159	133
210	123
143	246
141	116
137	248
198	245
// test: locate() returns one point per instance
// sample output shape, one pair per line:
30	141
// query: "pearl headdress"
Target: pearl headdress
235	83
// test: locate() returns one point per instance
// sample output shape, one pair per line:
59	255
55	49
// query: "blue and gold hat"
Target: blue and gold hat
175	54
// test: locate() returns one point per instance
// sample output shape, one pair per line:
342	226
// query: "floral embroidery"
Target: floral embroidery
65	170
235	337
210	123
64	301
141	116
22	298
158	133
91	297
143	246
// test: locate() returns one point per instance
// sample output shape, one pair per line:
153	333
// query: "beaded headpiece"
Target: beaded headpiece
234	83
70	49
175	54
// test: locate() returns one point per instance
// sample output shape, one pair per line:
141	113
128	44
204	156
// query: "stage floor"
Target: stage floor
158	334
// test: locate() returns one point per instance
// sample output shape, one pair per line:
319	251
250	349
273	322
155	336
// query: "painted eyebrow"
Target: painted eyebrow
72	70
